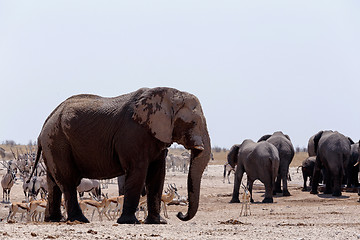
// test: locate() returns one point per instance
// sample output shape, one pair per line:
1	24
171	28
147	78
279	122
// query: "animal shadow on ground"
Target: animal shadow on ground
322	195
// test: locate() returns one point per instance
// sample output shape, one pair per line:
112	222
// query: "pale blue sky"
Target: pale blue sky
256	66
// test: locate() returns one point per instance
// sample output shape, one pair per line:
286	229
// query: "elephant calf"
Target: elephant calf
259	161
307	168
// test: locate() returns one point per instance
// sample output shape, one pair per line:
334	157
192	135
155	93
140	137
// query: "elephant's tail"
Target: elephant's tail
275	169
38	154
342	164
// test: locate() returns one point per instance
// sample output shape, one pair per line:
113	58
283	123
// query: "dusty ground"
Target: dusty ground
300	216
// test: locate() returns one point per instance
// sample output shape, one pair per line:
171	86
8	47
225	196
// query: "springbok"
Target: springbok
142	206
89	204
245	201
36	209
17	207
168	197
113	204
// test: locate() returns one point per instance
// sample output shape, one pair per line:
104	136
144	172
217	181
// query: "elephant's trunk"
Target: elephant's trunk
200	156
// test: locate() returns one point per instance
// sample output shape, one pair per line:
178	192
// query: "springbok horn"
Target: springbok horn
4	165
13	153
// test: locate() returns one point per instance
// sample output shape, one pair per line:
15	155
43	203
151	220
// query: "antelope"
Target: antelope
246	197
89	185
142	206
89	204
168	197
7	182
36	208
113	204
17	207
32	187
228	168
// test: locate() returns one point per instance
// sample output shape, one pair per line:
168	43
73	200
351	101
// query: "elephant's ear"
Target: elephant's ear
155	109
316	140
264	138
287	136
351	141
232	155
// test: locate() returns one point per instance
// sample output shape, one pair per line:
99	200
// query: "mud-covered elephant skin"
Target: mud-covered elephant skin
89	136
259	161
333	153
286	152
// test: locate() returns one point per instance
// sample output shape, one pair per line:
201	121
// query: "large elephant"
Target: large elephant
311	145
89	136
286	152
259	161
333	153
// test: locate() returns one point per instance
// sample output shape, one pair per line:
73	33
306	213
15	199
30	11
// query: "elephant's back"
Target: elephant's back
284	146
335	143
266	150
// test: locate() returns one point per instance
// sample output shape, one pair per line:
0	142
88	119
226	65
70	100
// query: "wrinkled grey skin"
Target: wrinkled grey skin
311	147
259	161
349	180
353	171
89	136
333	152
286	152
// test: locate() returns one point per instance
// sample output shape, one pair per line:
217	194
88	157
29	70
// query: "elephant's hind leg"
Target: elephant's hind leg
72	205
53	211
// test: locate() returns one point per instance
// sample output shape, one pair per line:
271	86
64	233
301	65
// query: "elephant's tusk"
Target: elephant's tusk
199	148
356	164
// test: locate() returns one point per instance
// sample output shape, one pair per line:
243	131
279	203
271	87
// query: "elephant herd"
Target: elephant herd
333	158
89	136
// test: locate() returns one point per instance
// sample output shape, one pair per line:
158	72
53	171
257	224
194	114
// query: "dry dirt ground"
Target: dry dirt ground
300	216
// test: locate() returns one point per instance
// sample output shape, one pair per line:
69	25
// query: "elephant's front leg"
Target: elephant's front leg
238	176
154	183
53	211
134	184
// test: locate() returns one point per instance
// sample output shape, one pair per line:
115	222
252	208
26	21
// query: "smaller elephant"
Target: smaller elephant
307	168
259	161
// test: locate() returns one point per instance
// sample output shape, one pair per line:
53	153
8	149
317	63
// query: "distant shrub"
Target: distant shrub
300	149
216	149
9	143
